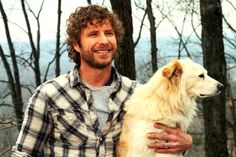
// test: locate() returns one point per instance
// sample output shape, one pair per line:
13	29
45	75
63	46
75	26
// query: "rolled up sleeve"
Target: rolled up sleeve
35	128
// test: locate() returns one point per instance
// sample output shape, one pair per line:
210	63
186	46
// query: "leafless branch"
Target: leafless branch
5	151
26	61
17	26
231	42
140	30
5	105
4	81
229	25
53	59
230	2
4	95
177	30
27	87
9	127
193	27
40	9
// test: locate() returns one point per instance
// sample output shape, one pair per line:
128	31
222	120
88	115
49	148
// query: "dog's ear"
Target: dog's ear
173	70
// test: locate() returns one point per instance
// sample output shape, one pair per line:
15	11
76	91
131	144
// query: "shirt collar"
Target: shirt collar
74	78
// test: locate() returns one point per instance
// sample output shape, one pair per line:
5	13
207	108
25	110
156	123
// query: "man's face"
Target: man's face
98	45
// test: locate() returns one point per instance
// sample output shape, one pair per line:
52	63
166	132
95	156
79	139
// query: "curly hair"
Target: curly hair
79	20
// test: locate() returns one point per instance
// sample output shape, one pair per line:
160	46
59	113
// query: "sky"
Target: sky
48	18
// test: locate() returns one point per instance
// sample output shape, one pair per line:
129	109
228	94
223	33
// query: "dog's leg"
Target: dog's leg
121	149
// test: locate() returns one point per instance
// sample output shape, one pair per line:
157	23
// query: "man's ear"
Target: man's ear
173	70
76	46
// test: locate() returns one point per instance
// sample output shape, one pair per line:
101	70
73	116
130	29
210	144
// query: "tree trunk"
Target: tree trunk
89	2
151	19
125	63
35	52
214	61
13	77
57	52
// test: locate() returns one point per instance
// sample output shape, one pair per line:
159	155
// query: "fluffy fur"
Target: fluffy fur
167	98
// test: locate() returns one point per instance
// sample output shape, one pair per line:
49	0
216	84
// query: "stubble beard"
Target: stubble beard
92	62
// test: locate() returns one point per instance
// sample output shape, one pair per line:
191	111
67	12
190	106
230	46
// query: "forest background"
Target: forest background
33	50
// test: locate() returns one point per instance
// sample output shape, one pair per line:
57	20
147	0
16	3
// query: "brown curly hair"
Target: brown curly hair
79	20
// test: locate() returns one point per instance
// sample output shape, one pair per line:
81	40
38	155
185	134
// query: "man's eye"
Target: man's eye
92	34
109	33
201	76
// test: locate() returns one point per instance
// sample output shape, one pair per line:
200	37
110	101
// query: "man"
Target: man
80	113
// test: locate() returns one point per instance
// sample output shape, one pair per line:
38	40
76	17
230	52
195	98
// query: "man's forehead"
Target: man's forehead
98	23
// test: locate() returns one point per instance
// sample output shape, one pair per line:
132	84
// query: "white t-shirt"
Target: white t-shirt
100	102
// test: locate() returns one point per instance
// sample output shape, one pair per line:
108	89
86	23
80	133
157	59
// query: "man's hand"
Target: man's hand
174	141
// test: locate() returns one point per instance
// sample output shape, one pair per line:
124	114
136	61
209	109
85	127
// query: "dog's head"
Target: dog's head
192	78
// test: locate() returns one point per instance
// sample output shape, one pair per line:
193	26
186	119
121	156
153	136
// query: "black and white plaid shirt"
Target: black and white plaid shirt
61	121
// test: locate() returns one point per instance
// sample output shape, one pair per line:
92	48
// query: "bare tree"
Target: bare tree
35	49
231	43
125	63
182	45
89	2
232	109
57	51
141	23
214	61
151	19
12	73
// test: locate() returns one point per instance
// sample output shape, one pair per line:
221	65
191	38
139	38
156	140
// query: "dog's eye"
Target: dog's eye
201	76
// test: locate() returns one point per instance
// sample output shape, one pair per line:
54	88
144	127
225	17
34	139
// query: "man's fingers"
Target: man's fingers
162	136
167	151
166	129
165	147
169	140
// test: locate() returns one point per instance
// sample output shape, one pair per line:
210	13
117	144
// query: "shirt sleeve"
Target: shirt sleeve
36	127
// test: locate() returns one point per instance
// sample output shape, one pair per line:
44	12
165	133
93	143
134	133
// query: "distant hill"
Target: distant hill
167	50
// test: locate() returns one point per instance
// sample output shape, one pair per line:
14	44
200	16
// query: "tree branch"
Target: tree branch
3	104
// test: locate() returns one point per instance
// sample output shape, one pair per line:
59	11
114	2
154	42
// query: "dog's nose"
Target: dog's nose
220	86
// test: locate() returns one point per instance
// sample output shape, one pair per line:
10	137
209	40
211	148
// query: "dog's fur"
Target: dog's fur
167	98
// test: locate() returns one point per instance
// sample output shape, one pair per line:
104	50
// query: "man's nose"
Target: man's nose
103	39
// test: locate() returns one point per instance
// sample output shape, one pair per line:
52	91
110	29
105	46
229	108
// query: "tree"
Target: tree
151	19
214	61
57	51
89	2
35	49
230	40
125	63
12	72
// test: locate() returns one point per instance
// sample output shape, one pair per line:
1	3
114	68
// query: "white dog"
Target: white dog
167	98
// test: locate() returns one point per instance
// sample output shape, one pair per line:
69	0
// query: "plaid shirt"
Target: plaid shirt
60	119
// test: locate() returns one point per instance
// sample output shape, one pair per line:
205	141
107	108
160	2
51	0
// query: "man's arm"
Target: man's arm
35	127
176	140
